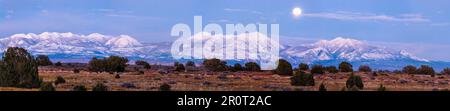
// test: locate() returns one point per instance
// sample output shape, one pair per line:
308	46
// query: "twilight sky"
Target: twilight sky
422	27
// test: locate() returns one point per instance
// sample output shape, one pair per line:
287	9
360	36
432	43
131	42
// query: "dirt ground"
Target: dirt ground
235	81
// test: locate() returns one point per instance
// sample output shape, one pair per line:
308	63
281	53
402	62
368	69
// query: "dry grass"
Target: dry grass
240	81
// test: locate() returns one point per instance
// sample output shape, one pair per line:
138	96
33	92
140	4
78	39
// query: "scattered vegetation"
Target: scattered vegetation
252	66
364	68
100	87
145	64
238	67
322	87
179	67
303	67
165	87
425	69
43	60
317	69
300	78
331	69
409	69
446	71
215	65
19	69
190	64
354	81
381	88
79	88
47	86
58	64
345	67
284	68
110	64
59	80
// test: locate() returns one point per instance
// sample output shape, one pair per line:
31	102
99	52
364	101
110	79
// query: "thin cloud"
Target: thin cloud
242	11
352	16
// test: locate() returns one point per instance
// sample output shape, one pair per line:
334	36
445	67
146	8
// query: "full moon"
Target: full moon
297	12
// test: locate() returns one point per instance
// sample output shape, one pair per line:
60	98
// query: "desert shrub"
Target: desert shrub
364	68
215	65
100	87
117	76
58	63
190	64
284	68
425	69
238	67
47	86
446	71
19	69
354	80
252	66
59	80
322	87
76	71
165	87
345	67
303	67
79	88
300	78
143	63
381	88
353	88
110	64
317	69
409	69
179	67
331	69
43	60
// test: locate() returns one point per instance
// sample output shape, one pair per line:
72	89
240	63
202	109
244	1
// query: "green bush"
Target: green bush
215	65
446	71
364	68
409	69
47	86
100	87
303	67
179	67
165	87
19	69
79	88
322	87
331	69
381	88
43	60
190	64
110	64
284	68
58	63
354	80
59	80
143	63
425	69
238	67
317	69
345	67
252	66
300	78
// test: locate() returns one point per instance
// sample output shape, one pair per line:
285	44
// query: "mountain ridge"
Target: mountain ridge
63	46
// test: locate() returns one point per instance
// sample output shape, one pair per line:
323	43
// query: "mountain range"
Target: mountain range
71	47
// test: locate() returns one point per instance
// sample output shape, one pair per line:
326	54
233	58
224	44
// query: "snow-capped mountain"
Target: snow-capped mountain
69	47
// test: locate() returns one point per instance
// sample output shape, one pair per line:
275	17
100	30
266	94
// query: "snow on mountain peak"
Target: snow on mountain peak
123	41
340	42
